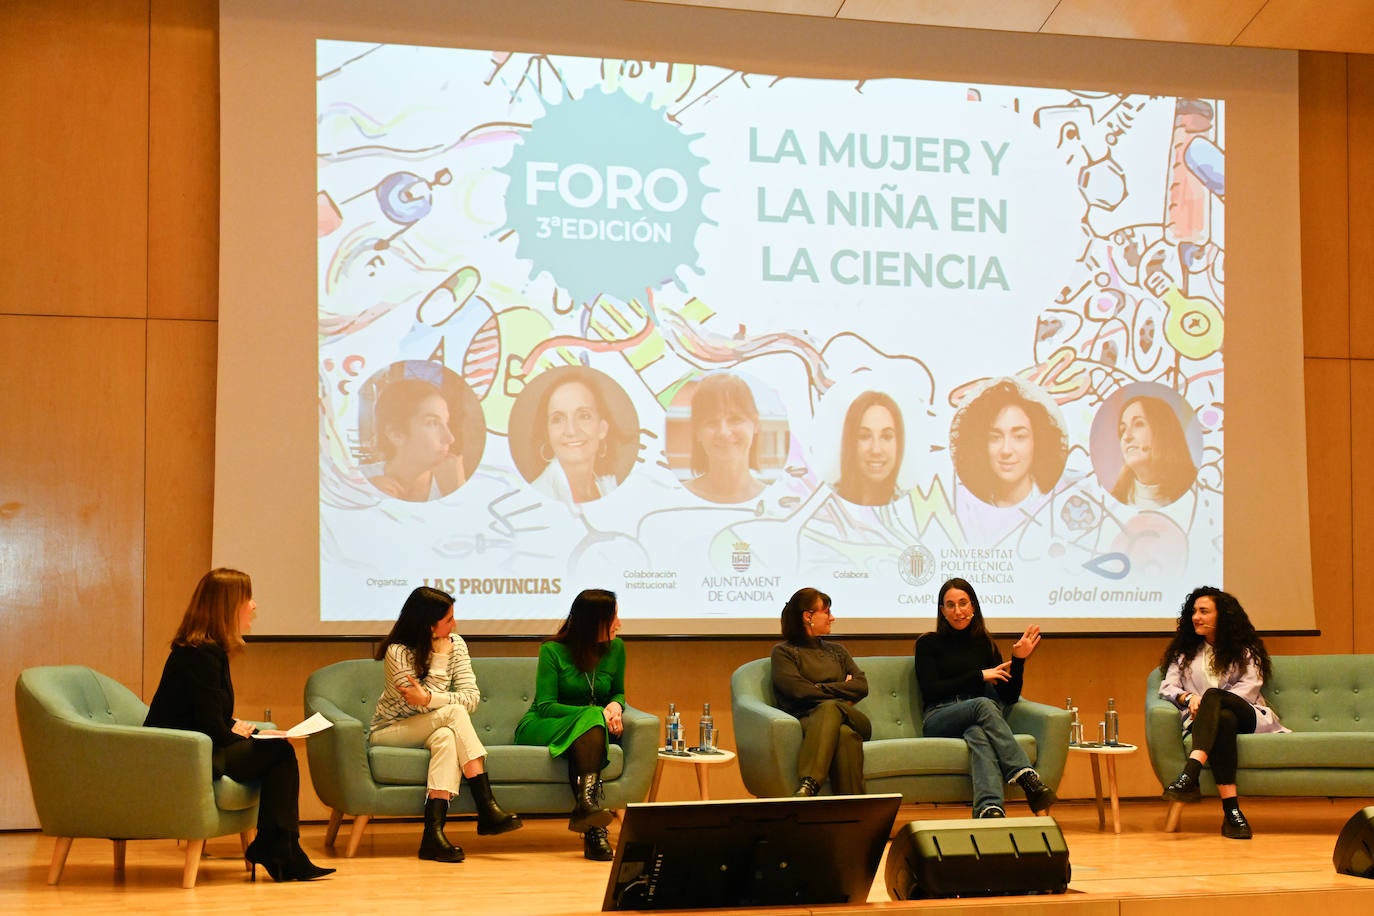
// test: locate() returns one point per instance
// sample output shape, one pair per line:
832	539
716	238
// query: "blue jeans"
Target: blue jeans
994	756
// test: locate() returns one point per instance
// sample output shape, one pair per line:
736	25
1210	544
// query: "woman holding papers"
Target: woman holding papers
196	694
427	699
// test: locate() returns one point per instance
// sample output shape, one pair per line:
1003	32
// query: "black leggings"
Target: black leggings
585	754
272	763
1220	717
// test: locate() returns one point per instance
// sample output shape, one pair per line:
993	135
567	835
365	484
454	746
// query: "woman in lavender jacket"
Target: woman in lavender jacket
1213	672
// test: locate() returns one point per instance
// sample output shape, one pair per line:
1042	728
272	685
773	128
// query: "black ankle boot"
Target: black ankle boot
1183	789
595	846
434	846
1038	795
587	811
1234	826
807	789
490	818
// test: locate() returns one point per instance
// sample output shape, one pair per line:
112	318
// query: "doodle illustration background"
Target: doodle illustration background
502	215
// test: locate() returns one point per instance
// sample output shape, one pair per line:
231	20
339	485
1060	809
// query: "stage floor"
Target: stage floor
539	870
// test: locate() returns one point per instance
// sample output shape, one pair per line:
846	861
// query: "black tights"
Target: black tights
1220	717
272	764
587	752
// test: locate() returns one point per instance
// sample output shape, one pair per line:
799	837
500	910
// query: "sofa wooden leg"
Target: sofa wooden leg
59	858
188	872
331	832
121	848
355	836
1174	817
246	837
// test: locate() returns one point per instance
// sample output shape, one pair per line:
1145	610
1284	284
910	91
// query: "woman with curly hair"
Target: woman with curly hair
1213	670
1157	466
1007	446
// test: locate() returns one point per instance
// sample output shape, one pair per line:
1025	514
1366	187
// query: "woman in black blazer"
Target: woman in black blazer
196	694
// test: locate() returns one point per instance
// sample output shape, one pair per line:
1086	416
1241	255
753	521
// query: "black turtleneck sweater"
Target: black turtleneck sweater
950	665
807	673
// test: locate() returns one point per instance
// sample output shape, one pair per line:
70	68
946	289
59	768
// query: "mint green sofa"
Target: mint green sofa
1328	701
354	778
899	758
97	772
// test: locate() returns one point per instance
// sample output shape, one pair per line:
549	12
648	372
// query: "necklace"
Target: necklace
591	689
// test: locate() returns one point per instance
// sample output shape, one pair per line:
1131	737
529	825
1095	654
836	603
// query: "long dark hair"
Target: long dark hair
853	486
589	617
1236	641
424	608
977	629
1168	449
802	600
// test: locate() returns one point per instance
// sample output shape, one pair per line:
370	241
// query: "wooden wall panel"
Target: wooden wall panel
73	157
183	153
180	478
1322	155
1362	499
1327	383
1360	151
71	510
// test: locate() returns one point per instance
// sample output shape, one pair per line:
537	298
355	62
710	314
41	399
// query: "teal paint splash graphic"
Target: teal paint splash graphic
606	196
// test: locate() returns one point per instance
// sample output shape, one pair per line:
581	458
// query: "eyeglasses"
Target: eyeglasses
963	604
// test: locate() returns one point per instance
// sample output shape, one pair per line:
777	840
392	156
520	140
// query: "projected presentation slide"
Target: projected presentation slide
704	336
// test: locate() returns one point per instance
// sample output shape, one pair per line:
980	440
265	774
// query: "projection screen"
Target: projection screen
702	318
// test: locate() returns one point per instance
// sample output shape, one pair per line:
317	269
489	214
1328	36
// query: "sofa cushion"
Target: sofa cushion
1323	693
924	756
1307	750
511	763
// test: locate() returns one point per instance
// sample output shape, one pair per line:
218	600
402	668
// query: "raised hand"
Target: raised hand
1024	646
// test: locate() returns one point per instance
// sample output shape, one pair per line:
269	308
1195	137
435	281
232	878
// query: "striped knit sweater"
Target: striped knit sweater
449	679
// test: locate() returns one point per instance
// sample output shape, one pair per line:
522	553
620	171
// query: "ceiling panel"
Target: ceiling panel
1306	25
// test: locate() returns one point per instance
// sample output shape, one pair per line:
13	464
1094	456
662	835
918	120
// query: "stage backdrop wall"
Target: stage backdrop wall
105	502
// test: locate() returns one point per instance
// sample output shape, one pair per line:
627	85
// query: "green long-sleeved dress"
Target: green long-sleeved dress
569	701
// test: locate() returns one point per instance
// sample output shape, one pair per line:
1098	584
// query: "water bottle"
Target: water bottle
1075	724
673	740
1113	725
707	743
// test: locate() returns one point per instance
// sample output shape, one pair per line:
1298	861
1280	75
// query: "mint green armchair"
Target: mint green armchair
355	778
97	772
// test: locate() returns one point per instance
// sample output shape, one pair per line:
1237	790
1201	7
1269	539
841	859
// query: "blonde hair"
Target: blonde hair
212	616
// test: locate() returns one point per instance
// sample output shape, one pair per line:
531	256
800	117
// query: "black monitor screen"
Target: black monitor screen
753	852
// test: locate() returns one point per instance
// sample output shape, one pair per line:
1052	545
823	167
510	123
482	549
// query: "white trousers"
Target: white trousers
450	737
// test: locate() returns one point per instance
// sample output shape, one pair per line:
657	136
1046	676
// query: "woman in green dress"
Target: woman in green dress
579	701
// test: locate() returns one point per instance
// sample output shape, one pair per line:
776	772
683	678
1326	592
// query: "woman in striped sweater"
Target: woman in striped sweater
430	692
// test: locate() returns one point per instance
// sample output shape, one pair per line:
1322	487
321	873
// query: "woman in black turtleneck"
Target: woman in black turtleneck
966	688
817	681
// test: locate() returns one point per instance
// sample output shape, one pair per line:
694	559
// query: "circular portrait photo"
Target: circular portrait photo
872	447
1146	445
1009	443
420	429
573	434
726	437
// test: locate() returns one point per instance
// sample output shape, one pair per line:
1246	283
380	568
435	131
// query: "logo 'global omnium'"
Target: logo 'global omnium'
606	196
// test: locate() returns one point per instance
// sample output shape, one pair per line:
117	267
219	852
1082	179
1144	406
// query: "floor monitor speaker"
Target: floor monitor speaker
1354	853
977	858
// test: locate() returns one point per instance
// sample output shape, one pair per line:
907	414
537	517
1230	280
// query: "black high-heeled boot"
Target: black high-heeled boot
587	811
271	849
490	818
298	864
434	846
